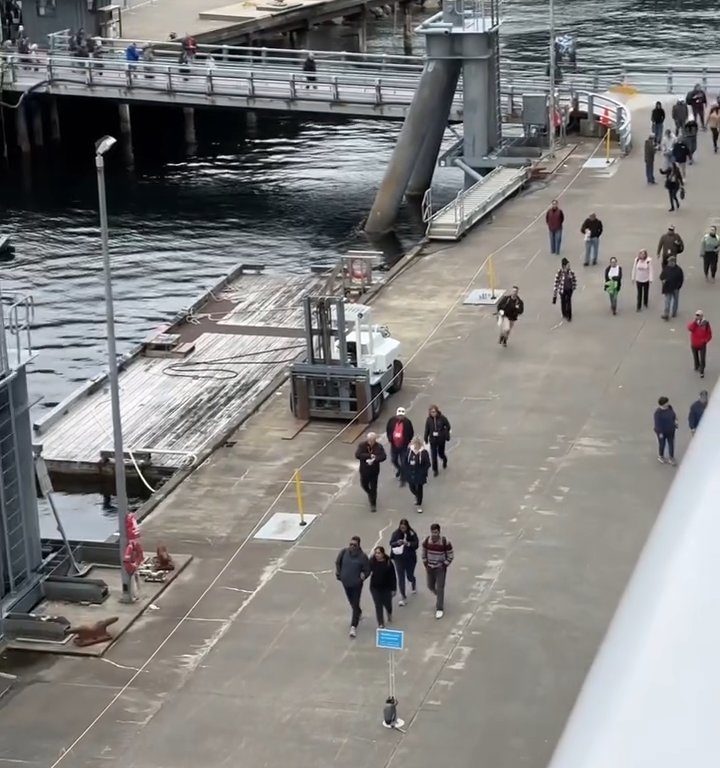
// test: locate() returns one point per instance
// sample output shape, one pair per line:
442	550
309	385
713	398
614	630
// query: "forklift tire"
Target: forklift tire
377	397
397	380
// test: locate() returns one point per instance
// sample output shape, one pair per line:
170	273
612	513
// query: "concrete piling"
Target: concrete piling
126	134
37	125
54	121
190	134
23	138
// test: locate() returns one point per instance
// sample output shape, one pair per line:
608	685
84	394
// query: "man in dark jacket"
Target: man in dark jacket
509	308
697	409
592	228
565	284
554	219
679	114
664	424
399	432
670	244
310	68
352	567
437	433
650	149
697	100
370	454
672	278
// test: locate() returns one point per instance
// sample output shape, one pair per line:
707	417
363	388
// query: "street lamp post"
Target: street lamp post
102	146
551	100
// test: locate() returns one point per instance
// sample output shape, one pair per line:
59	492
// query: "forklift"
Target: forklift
351	365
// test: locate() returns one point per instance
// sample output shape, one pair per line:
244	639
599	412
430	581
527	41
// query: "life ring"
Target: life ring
133	557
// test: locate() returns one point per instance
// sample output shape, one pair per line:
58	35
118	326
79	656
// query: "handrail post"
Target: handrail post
704	78
263	55
378	91
128	75
670	80
293	89
210	88
591	107
224	53
251	85
89	71
335	89
169	78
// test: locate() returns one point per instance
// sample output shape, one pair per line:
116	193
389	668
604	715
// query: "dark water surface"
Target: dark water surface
289	193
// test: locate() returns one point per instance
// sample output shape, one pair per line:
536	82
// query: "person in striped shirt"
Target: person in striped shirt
437	554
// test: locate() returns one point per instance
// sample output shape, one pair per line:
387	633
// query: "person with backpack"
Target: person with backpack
399	432
370	454
672	278
404	544
437	434
613	283
417	465
351	569
565	284
665	424
709	251
437	554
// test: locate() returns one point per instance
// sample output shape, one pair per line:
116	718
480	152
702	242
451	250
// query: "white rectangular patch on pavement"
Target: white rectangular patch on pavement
484	296
598	162
284	526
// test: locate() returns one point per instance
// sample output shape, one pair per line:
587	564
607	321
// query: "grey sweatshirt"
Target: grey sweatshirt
350	565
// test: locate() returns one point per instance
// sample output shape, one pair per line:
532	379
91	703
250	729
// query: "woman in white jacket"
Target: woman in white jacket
642	276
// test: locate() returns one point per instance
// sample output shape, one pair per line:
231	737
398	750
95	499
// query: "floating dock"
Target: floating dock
187	387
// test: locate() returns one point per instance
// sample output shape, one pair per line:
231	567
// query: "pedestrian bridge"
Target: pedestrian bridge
356	85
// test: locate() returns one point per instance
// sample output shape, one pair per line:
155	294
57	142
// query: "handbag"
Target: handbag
682	197
398	550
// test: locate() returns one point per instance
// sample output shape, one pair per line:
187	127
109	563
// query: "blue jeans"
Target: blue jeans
671	299
650	172
669	441
591	247
657	129
555	241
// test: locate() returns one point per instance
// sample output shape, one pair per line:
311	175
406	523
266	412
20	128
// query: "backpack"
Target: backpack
398	434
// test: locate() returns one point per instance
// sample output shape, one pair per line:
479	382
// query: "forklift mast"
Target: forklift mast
325	324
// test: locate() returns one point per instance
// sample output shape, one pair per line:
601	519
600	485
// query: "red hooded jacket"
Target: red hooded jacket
700	333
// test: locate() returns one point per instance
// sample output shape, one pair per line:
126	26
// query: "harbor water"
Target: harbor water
288	193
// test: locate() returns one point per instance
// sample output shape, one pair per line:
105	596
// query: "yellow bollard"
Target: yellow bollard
298	493
491	276
607	147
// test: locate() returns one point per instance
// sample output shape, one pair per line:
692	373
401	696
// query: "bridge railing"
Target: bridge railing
676	79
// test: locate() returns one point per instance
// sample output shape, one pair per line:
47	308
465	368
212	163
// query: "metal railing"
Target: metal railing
675	79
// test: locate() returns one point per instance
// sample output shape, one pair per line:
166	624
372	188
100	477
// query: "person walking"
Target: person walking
650	149
709	251
642	276
417	465
554	219
672	278
370	454
351	569
383	584
399	432
565	284
437	554
665	424
437	434
310	68
697	101
680	154
700	337
666	147
509	309
697	409
669	244
713	123
690	132
679	114
404	544
657	121
674	183
613	283
592	228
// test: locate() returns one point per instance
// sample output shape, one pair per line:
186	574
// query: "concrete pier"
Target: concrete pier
438	78
551	489
126	134
21	129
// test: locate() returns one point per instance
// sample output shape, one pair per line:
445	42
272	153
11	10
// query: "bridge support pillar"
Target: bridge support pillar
422	174
37	125
251	120
407	27
362	31
189	116
438	77
126	134
23	138
54	121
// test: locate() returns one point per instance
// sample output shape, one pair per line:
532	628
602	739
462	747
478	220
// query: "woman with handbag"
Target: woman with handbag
674	183
404	543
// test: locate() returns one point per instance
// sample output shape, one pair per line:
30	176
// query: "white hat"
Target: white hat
400	411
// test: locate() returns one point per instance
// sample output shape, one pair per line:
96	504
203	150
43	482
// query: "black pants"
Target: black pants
369	483
436	584
710	263
353	595
405	568
699	115
437	450
397	457
566	304
382	599
669	440
699	358
643	292
715	133
417	491
673	196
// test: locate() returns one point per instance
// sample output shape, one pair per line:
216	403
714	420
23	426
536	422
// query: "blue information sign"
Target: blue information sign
390	639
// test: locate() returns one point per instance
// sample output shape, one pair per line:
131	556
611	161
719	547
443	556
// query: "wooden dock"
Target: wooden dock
187	387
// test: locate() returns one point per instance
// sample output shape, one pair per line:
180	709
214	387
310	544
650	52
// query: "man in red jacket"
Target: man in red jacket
554	219
700	336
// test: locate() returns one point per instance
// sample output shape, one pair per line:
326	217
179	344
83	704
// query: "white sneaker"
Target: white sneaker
438	614
353	631
402	602
419	509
